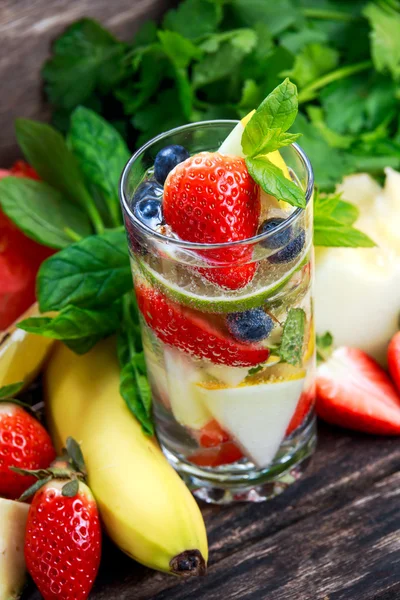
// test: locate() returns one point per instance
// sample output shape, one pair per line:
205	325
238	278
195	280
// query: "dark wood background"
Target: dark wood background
27	28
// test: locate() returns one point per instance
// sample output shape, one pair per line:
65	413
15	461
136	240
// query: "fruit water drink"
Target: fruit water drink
223	279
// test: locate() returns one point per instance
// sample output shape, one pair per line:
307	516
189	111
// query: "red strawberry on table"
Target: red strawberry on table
189	331
25	444
354	391
211	199
63	532
394	359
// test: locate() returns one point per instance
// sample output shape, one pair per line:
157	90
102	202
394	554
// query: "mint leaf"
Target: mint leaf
8	391
92	273
101	154
277	111
276	138
85	57
193	18
273	181
332	205
256	369
47	152
330	232
313	61
163	113
324	346
291	348
41	212
74	323
385	39
277	17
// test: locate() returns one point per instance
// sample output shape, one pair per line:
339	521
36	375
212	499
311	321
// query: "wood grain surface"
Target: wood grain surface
27	28
334	535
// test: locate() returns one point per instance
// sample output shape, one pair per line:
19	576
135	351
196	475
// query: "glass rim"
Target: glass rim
197	245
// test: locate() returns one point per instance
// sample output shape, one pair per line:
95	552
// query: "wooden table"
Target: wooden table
333	535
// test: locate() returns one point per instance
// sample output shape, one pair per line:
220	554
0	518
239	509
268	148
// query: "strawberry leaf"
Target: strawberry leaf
70	489
34	488
8	391
75	454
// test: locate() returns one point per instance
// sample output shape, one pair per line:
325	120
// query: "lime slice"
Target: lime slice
183	286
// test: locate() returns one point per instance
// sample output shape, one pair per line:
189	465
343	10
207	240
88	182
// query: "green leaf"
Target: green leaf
251	95
85	57
8	391
41	212
385	38
70	489
131	393
47	152
331	205
146	34
179	50
34	488
292	342
312	62
324	346
294	41
75	454
101	154
332	233
193	19
334	139
84	344
277	111
74	323
277	18
345	213
219	64
92	273
273	181
163	113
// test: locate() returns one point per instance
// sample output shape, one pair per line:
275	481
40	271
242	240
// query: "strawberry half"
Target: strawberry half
189	331
303	407
354	391
25	444
394	359
217	448
211	199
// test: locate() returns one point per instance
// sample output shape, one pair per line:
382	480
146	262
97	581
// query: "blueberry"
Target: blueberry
277	240
290	251
167	159
250	326
148	210
148	189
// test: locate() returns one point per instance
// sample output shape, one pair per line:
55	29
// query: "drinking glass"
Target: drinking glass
235	420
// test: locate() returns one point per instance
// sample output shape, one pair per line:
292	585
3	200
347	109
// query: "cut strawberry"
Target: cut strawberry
354	391
211	199
303	407
212	435
189	331
394	359
225	454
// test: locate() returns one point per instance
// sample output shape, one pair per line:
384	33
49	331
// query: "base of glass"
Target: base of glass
236	484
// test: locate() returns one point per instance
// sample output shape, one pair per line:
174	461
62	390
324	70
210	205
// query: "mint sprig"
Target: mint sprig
291	347
265	133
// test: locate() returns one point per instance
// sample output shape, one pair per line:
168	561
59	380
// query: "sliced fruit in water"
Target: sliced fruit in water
257	416
231	376
13	516
225	454
186	404
192	333
189	290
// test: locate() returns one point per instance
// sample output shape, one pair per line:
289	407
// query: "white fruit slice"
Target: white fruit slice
157	377
257	416
13	516
230	376
184	397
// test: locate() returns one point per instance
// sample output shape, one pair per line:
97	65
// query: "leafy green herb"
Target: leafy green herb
324	346
41	212
92	273
86	58
272	181
385	23
74	323
134	386
8	391
101	154
46	150
292	342
313	61
256	369
193	18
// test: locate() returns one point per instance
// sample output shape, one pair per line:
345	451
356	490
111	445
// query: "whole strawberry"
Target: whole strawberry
25	444
63	533
211	199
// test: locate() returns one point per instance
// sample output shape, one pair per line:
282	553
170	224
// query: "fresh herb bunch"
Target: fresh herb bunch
75	209
213	59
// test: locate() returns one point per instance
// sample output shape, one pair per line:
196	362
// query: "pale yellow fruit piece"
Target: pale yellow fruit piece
13	517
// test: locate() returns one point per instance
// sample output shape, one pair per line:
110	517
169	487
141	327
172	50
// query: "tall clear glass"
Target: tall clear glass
236	420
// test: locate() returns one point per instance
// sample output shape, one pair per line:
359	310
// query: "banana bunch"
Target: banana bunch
146	508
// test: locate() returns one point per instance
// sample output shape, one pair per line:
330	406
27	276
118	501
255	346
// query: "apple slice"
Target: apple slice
13	517
184	397
256	416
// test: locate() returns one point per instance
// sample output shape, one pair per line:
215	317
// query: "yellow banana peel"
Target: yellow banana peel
22	354
146	508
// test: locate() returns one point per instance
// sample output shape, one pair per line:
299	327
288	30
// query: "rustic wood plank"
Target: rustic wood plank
27	28
345	469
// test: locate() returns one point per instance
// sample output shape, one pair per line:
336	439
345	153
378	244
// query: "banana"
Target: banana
146	508
21	353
